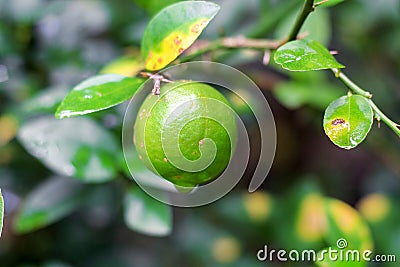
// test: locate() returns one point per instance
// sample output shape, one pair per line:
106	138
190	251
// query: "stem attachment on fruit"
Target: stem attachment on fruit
157	78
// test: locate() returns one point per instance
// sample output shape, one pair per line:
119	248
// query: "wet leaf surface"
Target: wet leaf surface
145	214
98	93
348	120
305	55
76	147
50	201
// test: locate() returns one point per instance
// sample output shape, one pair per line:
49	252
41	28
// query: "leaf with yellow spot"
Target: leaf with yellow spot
300	217
375	207
258	205
226	250
348	234
381	212
9	128
173	30
311	223
126	66
348	120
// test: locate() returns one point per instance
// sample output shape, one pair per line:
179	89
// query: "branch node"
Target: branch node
336	72
378	119
157	78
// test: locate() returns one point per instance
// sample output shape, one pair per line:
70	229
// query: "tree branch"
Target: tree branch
264	44
380	116
350	84
307	9
243	42
236	42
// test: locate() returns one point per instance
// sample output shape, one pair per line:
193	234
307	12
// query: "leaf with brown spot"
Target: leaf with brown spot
348	120
173	30
347	233
338	121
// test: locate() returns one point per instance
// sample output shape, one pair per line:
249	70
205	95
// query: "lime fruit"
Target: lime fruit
187	134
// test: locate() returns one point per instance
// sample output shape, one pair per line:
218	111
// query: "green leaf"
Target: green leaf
296	207
126	66
146	215
1	212
154	6
49	202
98	93
76	147
45	101
381	212
348	120
347	232
173	30
304	55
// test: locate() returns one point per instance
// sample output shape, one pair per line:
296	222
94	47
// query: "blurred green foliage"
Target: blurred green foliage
47	47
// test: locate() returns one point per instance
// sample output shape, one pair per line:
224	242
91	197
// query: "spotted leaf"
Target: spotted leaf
129	66
348	234
173	30
348	120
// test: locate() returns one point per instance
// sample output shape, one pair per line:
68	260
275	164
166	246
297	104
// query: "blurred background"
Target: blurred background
80	207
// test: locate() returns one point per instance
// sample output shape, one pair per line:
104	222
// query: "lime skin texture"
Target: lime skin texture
187	134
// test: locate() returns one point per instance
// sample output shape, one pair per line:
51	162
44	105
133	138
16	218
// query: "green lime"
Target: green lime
187	134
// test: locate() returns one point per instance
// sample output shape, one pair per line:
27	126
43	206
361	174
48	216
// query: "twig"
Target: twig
157	78
350	84
236	42
265	45
307	9
379	115
382	117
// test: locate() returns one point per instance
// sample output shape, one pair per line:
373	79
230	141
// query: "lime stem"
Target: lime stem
354	88
236	42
